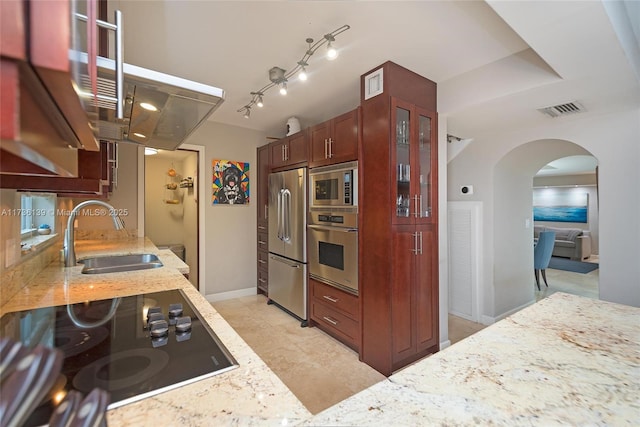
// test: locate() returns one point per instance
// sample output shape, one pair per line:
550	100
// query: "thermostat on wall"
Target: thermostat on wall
466	189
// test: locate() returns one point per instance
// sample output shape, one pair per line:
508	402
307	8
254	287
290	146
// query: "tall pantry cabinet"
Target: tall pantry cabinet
399	224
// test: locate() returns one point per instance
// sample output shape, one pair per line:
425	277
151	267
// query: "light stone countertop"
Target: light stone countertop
250	394
564	361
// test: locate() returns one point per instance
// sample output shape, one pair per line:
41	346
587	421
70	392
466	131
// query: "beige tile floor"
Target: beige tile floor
585	285
321	371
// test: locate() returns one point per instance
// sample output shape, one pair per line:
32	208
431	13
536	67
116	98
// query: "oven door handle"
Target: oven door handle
332	228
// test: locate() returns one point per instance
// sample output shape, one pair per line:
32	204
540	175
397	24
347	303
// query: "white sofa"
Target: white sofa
571	243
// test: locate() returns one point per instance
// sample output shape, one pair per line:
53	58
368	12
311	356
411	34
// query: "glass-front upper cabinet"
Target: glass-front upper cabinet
403	141
414	161
426	164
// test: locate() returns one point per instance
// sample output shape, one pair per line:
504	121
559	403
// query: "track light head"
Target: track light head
283	88
247	112
302	75
332	53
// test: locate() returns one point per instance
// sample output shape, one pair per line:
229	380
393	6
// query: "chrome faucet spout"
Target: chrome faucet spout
69	234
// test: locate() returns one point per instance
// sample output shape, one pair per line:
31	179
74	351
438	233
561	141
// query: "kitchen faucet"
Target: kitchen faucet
69	234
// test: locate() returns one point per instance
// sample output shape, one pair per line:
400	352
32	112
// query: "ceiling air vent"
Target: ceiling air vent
562	109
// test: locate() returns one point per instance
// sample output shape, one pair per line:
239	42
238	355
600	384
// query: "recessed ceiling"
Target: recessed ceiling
495	62
571	165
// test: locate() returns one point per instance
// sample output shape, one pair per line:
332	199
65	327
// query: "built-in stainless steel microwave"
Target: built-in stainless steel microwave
334	186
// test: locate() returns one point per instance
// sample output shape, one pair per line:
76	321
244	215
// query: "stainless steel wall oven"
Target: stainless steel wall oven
333	249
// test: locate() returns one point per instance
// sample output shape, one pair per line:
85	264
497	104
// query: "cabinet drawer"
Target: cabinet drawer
335	298
337	323
263	280
263	240
263	260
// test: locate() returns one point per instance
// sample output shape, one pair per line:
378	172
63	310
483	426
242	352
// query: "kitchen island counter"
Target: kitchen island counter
566	360
247	395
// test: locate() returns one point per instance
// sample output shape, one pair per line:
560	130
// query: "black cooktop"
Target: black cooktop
122	345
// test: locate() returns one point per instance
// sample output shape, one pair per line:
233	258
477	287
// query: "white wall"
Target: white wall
230	229
498	182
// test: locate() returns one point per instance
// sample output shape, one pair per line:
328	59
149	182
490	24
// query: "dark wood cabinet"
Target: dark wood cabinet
289	151
264	167
96	174
47	142
398	232
336	312
334	141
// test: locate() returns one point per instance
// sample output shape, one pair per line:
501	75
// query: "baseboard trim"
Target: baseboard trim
487	320
221	296
445	344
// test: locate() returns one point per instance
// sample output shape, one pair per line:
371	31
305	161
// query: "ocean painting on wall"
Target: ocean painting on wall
568	207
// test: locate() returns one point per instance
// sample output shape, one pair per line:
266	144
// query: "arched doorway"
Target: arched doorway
513	220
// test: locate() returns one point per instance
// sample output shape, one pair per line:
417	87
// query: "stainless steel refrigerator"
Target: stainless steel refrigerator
288	241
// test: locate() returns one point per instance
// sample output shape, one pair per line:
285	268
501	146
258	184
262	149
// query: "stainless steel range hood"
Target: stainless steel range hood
181	105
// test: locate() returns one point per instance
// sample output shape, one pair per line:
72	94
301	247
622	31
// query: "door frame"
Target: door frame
200	188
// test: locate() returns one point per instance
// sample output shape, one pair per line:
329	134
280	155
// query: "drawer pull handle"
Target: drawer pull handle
330	320
261	261
261	280
262	227
260	242
330	298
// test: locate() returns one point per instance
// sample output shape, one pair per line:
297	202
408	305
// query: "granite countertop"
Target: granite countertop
250	394
566	360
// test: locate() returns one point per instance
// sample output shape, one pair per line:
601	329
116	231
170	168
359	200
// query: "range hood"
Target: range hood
160	110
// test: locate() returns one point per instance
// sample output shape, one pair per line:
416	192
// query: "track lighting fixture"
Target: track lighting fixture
258	96
279	77
302	75
332	53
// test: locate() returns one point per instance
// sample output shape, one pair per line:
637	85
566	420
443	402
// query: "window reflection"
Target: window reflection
37	219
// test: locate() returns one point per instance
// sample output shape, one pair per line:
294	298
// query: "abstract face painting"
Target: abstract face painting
230	182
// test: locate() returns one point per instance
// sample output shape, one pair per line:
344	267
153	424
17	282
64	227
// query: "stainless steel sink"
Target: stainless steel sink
119	263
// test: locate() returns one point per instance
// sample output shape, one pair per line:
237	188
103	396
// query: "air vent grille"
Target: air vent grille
562	109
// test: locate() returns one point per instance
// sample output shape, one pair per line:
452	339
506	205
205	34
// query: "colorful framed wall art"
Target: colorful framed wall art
230	182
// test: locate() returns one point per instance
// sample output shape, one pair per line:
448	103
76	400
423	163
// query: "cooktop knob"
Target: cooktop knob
183	324
152	311
175	310
158	328
159	341
152	317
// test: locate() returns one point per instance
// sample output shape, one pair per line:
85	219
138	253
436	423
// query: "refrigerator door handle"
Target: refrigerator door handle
286	216
279	216
286	262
